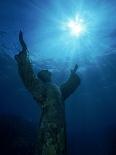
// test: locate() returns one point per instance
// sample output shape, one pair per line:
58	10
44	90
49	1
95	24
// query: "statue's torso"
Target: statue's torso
52	126
53	106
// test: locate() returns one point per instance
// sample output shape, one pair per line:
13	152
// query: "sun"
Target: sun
76	27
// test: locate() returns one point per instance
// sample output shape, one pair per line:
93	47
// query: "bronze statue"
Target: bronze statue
51	138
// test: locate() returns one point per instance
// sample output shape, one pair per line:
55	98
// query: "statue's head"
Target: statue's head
44	75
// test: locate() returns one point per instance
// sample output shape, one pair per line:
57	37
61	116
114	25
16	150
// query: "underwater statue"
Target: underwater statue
51	139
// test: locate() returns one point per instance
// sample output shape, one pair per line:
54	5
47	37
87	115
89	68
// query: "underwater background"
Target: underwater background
91	110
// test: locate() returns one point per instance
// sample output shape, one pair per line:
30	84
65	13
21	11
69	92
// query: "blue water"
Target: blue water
91	110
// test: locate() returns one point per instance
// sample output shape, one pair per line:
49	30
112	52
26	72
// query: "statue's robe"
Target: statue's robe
51	138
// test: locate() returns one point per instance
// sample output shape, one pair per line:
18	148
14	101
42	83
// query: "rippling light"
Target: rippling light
77	29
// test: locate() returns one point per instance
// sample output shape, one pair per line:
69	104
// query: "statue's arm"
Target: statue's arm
70	85
26	72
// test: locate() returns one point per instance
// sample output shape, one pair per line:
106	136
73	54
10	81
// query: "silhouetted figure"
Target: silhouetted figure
51	138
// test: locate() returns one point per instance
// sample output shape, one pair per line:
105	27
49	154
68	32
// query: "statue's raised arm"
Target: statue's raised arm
71	84
31	82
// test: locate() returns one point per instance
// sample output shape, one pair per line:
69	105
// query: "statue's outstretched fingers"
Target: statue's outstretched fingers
21	40
75	68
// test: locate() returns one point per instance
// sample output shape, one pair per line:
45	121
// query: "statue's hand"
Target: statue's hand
20	35
75	69
21	40
23	54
